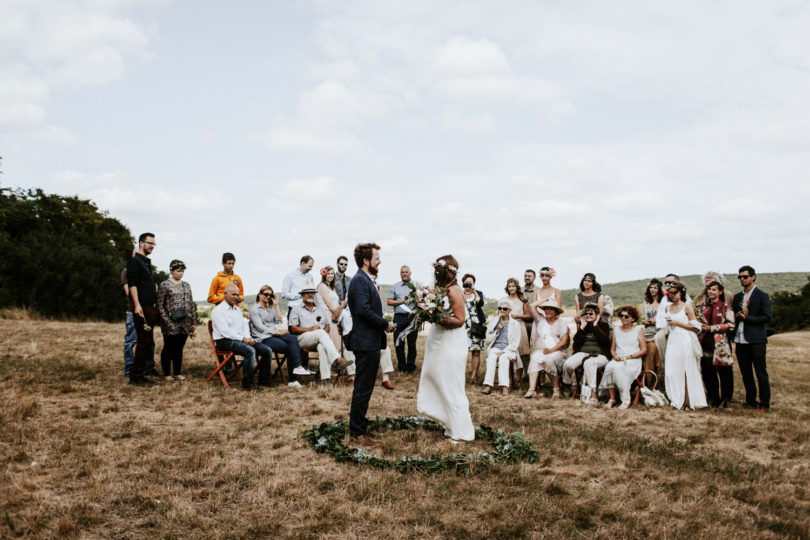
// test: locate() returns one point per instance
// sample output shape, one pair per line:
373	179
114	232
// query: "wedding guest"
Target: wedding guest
503	338
231	333
717	319
403	316
216	293
310	324
752	310
143	291
590	292
520	312
475	320
178	319
268	328
295	281
546	292
342	279
627	347
652	299
327	299
681	376
528	285
591	350
550	347
661	325
700	298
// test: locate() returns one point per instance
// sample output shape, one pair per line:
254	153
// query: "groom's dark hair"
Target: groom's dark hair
364	251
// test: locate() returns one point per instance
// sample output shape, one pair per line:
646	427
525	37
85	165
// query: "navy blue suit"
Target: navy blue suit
367	339
751	355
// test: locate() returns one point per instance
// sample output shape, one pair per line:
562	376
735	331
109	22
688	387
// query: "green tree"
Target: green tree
61	256
791	311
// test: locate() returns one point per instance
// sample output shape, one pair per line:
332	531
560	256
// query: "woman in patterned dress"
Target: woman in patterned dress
474	302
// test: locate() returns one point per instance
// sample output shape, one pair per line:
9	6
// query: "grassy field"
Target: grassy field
85	455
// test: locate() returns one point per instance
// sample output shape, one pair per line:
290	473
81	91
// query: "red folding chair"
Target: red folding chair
221	358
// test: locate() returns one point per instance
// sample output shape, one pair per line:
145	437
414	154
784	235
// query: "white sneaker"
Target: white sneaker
301	370
294	384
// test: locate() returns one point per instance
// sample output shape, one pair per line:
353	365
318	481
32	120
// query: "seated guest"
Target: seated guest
652	299
627	348
216	294
717	319
550	346
231	333
311	326
503	339
591	349
266	327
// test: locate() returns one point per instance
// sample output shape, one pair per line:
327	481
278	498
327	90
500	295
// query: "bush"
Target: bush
791	311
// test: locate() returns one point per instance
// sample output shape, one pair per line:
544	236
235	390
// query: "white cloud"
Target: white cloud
453	120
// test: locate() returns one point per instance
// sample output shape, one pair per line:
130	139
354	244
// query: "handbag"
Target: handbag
478	330
178	314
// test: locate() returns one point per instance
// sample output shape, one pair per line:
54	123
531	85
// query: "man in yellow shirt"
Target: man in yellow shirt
216	294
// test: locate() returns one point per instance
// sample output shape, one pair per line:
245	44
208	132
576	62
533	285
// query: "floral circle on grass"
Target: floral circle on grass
328	438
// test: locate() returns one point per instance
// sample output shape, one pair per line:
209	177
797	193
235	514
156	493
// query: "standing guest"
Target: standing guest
541	296
717	319
327	300
628	346
682	376
342	279
520	312
652	299
752	308
590	292
708	278
529	293
178	316
591	350
231	333
130	336
403	315
367	337
297	280
474	303
143	292
661	324
310	324
266	327
549	350
216	293
503	338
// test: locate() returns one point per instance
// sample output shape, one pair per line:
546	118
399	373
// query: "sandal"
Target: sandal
556	394
610	403
530	394
487	391
624	406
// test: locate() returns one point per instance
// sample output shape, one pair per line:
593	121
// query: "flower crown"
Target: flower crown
551	272
442	262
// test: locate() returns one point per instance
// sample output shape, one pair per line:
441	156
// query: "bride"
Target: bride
441	393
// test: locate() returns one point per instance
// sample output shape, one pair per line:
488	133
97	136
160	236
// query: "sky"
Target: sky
628	139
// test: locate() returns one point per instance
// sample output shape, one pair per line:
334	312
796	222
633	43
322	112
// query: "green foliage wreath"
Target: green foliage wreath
328	438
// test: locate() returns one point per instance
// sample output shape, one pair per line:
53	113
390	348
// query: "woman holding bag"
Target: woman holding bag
716	361
178	319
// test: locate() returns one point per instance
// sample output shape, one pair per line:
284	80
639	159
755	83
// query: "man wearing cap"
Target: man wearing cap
295	281
502	339
310	324
232	333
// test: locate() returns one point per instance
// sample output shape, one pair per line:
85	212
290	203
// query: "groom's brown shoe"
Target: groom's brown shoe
365	440
387	385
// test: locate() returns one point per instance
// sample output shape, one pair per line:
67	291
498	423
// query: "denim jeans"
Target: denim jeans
288	345
249	353
130	338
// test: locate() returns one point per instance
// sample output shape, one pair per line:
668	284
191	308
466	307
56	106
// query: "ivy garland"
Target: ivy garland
328	438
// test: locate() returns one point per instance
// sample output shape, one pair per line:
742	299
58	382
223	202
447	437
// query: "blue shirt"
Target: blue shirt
400	291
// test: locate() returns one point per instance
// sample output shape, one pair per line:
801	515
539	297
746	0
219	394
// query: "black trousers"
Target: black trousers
716	394
751	359
405	363
367	363
172	354
145	346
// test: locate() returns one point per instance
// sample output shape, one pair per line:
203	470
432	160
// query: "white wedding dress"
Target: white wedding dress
682	372
441	394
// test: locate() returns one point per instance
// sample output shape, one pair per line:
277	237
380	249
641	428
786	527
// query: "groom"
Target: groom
367	337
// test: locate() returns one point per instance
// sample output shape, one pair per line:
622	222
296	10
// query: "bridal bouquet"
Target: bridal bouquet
431	304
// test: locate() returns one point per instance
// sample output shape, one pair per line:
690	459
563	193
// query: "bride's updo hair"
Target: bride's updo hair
445	271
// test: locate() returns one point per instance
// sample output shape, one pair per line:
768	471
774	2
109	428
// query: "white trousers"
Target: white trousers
502	363
327	353
386	364
620	375
550	363
589	366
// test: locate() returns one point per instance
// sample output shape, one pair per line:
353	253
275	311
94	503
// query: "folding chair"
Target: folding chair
280	360
221	358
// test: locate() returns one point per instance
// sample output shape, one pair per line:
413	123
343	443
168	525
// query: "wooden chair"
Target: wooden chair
281	358
221	358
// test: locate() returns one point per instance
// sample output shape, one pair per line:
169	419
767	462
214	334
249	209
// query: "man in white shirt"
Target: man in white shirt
310	324
232	333
296	280
661	324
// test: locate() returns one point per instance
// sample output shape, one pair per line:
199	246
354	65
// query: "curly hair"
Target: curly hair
648	297
630	310
364	251
517	285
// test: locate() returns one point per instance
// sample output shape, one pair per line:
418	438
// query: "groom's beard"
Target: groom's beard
373	270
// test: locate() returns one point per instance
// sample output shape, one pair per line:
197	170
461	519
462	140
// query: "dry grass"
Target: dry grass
85	455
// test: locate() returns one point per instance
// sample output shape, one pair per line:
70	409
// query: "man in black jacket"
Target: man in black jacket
752	311
143	291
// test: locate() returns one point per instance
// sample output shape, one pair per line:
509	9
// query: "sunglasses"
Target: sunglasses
265	293
589	314
625	316
743	276
504	309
